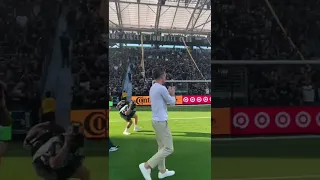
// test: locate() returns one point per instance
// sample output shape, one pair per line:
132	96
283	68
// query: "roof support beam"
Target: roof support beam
207	21
192	15
138	15
118	12
150	4
156	24
181	31
199	15
175	14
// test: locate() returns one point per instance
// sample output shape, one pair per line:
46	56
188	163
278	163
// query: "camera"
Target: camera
133	105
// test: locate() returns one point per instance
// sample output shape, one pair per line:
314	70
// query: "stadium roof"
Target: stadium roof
172	16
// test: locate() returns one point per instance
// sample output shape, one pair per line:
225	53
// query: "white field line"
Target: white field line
118	120
302	177
266	138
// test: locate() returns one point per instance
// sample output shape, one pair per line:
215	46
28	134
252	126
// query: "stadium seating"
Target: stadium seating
181	67
26	30
248	31
89	63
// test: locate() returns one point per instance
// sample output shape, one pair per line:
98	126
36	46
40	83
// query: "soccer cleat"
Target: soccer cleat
126	133
146	173
113	149
166	174
137	129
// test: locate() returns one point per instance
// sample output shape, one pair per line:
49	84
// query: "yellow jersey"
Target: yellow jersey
48	105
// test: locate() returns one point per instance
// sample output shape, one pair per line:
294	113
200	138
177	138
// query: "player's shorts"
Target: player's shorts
47	173
129	117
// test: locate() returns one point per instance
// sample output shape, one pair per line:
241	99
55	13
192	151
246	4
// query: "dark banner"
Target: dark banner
132	38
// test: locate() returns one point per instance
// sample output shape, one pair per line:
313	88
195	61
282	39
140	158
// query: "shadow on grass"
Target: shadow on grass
94	148
188	155
285	148
185	108
182	134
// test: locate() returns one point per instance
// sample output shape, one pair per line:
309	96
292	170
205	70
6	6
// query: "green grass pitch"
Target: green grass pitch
191	128
294	158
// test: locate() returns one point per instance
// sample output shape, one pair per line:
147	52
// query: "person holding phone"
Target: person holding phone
61	157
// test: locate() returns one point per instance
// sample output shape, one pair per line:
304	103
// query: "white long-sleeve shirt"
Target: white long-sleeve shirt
160	97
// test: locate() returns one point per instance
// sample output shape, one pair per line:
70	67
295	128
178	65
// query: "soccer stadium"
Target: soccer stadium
173	35
55	47
265	98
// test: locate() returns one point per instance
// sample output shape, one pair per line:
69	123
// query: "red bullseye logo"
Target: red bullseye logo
185	99
262	120
210	99
192	99
303	119
282	120
205	99
241	120
199	99
318	119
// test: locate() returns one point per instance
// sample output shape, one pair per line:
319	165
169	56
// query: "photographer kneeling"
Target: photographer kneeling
61	157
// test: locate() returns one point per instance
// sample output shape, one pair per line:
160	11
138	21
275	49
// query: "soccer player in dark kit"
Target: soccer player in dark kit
127	112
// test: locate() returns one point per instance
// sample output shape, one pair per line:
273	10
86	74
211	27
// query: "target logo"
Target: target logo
185	99
318	119
199	99
303	119
241	120
192	99
262	120
205	99
210	99
282	120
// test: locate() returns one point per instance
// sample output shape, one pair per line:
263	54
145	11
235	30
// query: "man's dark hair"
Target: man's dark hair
48	94
157	73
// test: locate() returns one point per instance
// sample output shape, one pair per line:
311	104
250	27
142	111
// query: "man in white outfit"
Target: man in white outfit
160	96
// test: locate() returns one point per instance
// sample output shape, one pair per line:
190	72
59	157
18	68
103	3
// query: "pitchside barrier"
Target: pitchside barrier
180	100
265	121
94	122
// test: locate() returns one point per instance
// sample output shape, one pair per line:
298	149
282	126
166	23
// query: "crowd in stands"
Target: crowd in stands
284	86
89	55
26	30
176	62
247	30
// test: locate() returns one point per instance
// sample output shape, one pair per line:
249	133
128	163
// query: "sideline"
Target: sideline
267	138
302	177
118	120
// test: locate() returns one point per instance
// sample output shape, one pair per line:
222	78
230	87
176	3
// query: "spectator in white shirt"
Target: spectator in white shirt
160	96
